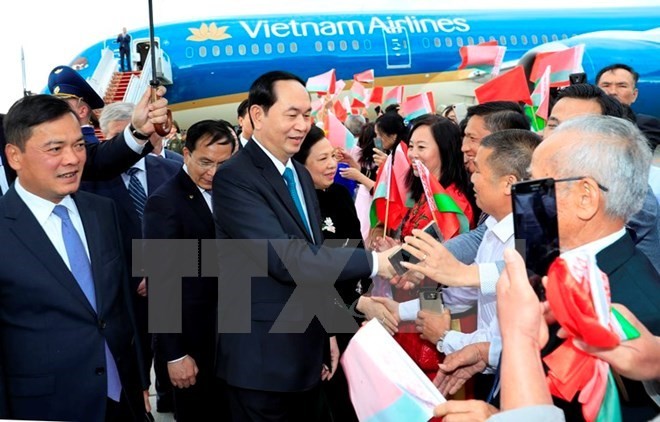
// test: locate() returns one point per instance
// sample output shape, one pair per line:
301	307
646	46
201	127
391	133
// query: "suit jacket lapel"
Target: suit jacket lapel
311	201
196	200
276	181
27	230
615	255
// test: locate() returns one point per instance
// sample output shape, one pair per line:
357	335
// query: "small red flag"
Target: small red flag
509	86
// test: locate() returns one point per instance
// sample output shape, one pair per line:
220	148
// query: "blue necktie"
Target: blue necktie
291	184
136	191
81	269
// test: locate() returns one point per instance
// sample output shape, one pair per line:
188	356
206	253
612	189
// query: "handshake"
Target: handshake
422	255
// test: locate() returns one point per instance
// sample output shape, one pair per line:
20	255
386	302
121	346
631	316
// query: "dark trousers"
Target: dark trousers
121	411
268	406
124	57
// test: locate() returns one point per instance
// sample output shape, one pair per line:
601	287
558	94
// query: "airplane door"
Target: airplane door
397	49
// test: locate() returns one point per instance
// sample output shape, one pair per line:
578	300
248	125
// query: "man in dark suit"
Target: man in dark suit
608	160
275	376
68	338
244	123
620	81
612	158
151	171
181	209
110	158
124	40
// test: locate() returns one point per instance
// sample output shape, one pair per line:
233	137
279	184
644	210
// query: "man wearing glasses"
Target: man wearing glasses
182	209
581	99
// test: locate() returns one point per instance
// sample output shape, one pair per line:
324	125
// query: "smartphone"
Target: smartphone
402	255
577	78
378	143
535	228
431	300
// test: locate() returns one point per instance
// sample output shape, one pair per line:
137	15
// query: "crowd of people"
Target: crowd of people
235	262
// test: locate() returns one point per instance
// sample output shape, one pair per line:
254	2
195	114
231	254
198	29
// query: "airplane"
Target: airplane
209	64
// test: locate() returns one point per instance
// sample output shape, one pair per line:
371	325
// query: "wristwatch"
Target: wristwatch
136	134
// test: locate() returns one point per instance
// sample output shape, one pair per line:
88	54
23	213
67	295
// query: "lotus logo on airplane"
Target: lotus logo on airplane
208	32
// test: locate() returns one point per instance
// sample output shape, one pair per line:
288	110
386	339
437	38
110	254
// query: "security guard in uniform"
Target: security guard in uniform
66	83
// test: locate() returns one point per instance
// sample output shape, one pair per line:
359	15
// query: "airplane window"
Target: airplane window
448	41
523	38
426	43
343	45
514	40
242	50
280	47
202	51
331	46
564	36
481	39
356	45
502	40
555	37
535	39
470	41
544	38
367	45
268	48
229	50
492	38
318	46
215	51
293	47
459	41
255	49
437	42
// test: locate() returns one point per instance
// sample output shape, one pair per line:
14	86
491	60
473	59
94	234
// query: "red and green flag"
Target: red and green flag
538	111
509	86
391	188
579	296
359	95
338	135
562	63
323	83
449	217
418	105
366	77
393	96
486	56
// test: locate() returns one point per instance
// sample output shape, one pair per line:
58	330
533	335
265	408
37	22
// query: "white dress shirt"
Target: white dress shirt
141	175
205	194
280	168
498	236
52	225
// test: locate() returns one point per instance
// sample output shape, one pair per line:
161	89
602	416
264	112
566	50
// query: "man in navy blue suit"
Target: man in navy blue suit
182	209
124	40
260	193
67	330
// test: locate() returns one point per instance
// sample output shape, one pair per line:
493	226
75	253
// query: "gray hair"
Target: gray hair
354	123
113	112
615	153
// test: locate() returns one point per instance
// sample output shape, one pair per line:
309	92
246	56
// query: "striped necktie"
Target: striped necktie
136	191
81	269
